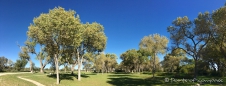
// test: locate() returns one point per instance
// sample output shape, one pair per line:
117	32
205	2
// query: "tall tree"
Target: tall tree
130	59
154	45
110	62
24	54
41	55
191	36
54	30
93	40
220	31
142	60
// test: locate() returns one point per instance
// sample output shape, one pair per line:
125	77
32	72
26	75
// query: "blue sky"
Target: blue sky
126	22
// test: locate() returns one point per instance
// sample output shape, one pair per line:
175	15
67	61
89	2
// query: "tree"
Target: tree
154	44
93	40
88	61
142	59
42	55
220	32
20	64
98	62
172	61
10	63
190	36
60	29
212	58
130	59
24	55
3	63
110	62
54	30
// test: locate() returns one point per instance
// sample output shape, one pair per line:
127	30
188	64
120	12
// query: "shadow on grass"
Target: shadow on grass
127	81
69	76
124	75
160	79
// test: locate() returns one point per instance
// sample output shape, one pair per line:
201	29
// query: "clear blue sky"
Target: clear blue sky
126	22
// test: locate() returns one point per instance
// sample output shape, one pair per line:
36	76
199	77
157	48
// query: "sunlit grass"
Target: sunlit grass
13	80
106	79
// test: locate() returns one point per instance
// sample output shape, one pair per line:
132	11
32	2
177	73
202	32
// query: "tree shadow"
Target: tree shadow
129	80
62	76
68	76
124	75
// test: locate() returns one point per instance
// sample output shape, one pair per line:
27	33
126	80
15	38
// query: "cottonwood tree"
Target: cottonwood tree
172	61
54	30
110	62
212	58
20	64
130	59
88	61
98	63
105	62
154	45
220	32
24	54
154	62
142	60
41	55
190	36
93	40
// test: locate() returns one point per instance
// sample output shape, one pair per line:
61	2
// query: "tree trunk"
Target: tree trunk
153	70
195	72
79	66
65	69
41	66
102	68
57	68
31	68
79	72
72	68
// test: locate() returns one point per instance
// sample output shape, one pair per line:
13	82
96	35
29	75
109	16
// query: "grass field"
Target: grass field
108	79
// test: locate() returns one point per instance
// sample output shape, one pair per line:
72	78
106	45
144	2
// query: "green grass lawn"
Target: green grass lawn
12	80
106	79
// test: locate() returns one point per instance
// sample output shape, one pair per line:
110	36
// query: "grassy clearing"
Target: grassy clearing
94	79
12	80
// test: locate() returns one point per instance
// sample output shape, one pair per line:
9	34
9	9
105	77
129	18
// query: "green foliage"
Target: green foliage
94	38
134	60
153	45
192	36
187	69
3	63
20	64
24	53
105	62
173	60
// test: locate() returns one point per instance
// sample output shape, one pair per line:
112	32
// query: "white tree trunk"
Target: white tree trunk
31	68
79	66
57	69
72	68
41	66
